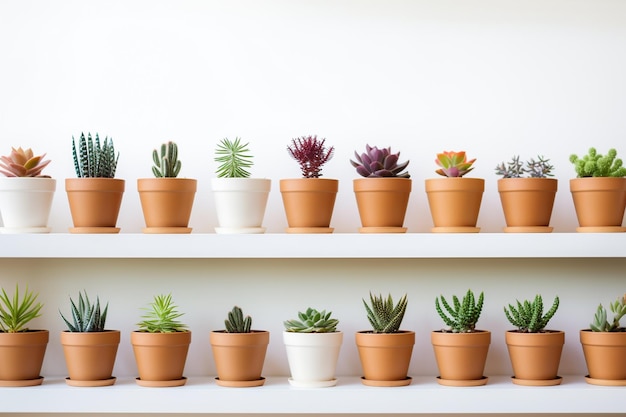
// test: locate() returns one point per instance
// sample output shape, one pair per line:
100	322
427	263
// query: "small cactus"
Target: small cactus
596	165
383	315
462	315
236	323
312	321
528	316
166	165
23	163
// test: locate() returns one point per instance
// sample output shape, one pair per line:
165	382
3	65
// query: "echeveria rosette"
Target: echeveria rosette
453	164
377	162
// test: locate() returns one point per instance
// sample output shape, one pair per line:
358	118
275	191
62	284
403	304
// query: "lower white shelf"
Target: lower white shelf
423	396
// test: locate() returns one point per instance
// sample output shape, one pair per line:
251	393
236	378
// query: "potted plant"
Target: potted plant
309	201
604	346
239	351
95	196
382	196
599	191
22	350
385	351
166	200
161	344
461	349
313	344
454	201
535	352
240	201
25	194
527	201
89	348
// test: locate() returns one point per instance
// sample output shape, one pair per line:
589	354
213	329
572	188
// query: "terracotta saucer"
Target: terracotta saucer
80	230
382	230
601	229
460	229
606	382
463	383
528	229
96	383
159	384
22	382
312	384
537	382
398	383
239	230
309	229
166	230
240	384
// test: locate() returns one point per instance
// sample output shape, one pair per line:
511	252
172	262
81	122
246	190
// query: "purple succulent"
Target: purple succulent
379	163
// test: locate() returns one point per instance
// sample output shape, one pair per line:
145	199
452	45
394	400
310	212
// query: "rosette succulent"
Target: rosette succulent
453	164
378	163
23	163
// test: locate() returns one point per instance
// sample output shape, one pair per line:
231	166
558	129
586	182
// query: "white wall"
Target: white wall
495	78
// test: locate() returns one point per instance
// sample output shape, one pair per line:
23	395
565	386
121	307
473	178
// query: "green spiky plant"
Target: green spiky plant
597	165
15	314
166	164
462	315
234	159
383	315
91	160
600	320
86	317
528	316
236	322
312	321
161	316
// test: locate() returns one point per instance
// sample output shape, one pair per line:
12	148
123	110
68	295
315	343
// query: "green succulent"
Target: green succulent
462	315
383	315
596	165
15	314
312	321
166	164
236	322
528	316
92	160
161	316
600	320
86	317
234	159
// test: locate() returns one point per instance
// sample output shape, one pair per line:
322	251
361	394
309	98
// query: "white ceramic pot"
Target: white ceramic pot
313	358
25	204
240	204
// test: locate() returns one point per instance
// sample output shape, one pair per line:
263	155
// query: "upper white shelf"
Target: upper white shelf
336	245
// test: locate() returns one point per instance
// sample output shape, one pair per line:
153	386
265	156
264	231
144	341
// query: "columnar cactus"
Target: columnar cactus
166	165
92	160
236	322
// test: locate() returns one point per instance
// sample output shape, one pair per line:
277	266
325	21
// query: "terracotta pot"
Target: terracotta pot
605	356
599	203
535	357
166	203
312	358
90	357
309	204
240	204
382	203
21	358
461	357
527	203
160	357
385	357
455	203
94	204
239	357
25	204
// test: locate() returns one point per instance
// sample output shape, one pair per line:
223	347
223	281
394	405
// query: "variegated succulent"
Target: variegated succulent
23	163
453	164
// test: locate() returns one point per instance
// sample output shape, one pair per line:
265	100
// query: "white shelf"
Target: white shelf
423	396
340	245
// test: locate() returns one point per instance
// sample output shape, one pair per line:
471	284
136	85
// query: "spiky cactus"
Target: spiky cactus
312	321
92	160
23	163
600	320
462	315
236	322
453	164
377	163
528	316
166	164
383	315
597	165
86	317
311	154
234	159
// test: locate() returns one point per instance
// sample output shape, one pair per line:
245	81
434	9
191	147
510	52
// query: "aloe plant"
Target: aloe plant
383	315
600	320
460	316
312	321
23	163
93	160
234	159
86	317
377	163
311	154
16	313
161	316
236	322
166	164
528	316
597	165
453	164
